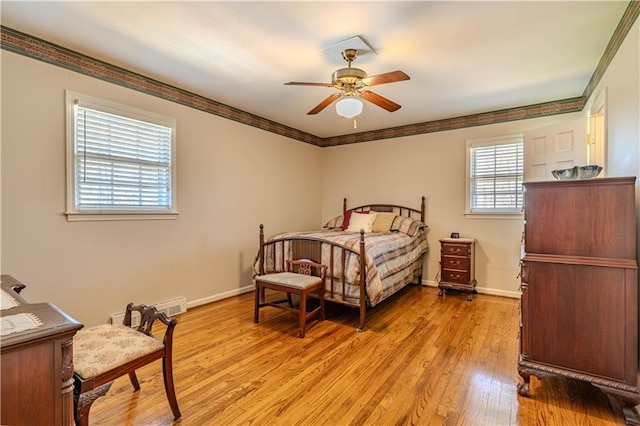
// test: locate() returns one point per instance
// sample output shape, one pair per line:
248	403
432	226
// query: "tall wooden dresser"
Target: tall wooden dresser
579	307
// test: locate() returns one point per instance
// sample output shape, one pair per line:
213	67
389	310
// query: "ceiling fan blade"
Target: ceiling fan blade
381	101
298	83
390	77
322	105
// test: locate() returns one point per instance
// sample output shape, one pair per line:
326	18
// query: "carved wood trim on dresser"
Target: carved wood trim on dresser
36	363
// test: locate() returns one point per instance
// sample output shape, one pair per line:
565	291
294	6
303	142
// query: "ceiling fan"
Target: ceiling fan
350	82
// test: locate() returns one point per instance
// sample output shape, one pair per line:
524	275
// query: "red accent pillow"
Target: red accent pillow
345	220
347	217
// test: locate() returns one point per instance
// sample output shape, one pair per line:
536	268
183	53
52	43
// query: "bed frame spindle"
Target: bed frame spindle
363	280
331	270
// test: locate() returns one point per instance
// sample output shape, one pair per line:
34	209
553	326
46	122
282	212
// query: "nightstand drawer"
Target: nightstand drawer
453	276
454	249
455	262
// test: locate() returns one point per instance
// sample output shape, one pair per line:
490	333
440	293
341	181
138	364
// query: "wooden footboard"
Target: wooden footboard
311	249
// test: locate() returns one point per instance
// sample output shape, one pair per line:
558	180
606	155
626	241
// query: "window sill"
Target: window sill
497	215
112	216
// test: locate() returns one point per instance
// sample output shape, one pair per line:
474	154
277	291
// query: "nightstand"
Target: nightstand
457	266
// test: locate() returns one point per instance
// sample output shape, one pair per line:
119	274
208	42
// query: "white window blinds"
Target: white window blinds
496	177
120	161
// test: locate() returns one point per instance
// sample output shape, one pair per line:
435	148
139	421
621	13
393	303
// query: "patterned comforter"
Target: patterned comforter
392	259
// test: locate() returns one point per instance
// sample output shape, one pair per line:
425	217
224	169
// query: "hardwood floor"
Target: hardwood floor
422	360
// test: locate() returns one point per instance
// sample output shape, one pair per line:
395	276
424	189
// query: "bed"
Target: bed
394	244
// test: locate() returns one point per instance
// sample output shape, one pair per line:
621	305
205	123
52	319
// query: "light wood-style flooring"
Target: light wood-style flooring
422	360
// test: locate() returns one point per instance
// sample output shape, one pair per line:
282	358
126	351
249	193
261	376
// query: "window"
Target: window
120	161
495	175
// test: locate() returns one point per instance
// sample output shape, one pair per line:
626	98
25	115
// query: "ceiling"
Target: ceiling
463	57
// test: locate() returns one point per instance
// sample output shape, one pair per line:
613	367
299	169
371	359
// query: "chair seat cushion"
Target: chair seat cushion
99	349
290	279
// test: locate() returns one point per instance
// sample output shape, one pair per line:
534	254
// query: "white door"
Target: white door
597	132
561	146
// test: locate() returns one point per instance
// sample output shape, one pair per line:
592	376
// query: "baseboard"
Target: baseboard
429	283
482	290
220	296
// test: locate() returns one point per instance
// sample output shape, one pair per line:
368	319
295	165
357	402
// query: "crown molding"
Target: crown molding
626	22
42	50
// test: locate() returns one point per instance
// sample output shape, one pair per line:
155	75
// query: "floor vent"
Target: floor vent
171	307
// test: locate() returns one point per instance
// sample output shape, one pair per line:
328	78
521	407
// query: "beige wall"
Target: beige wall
231	178
622	84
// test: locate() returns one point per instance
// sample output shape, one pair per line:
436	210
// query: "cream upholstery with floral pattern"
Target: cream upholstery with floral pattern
291	279
104	347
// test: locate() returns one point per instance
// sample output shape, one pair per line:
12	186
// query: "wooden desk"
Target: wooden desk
36	364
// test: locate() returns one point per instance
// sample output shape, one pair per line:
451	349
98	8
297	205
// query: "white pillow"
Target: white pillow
360	221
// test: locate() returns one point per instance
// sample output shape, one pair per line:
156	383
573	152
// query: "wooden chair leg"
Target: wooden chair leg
322	311
83	403
256	306
134	381
290	300
167	371
303	313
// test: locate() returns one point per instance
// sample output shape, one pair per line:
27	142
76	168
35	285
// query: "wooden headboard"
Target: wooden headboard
391	208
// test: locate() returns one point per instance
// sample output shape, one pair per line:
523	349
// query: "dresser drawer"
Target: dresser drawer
452	262
453	276
449	249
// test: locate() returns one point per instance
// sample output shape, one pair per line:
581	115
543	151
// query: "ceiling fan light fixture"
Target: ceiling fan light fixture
349	107
350	83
